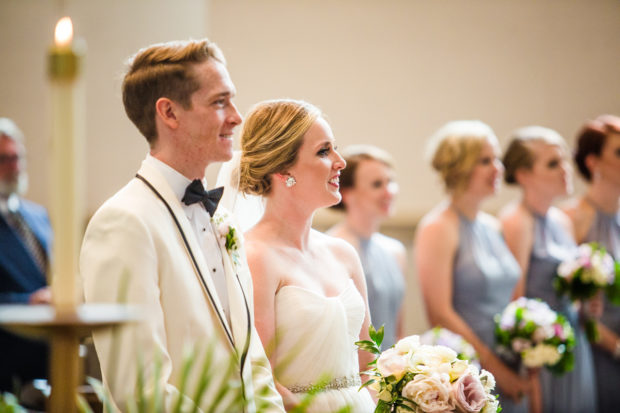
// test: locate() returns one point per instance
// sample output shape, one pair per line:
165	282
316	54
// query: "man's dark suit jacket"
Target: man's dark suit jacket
20	277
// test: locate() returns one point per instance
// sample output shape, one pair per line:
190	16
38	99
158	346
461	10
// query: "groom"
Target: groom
159	242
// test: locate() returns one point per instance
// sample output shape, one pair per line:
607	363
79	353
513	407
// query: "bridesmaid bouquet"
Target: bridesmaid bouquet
591	271
422	378
530	332
444	337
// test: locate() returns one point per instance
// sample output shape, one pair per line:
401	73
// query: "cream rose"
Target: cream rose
432	358
390	363
541	354
407	344
468	393
430	393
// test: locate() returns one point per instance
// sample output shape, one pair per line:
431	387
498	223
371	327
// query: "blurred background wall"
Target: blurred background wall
385	72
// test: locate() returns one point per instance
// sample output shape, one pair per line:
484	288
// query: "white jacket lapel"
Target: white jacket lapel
157	181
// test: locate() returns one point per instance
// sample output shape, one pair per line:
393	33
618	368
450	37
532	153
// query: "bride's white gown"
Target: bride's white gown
316	337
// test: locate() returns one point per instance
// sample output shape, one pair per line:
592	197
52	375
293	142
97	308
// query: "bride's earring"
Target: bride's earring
290	181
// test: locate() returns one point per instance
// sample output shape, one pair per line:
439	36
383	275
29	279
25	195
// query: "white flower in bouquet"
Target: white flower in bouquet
487	380
426	378
542	354
581	278
529	331
444	337
407	344
431	393
391	363
491	406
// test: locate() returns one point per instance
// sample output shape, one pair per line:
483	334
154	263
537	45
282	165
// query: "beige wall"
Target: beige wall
386	72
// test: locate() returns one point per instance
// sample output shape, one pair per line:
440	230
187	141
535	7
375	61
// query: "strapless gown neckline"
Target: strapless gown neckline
316	338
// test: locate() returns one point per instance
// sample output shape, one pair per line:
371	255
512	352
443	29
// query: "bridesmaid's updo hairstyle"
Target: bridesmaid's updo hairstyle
454	150
272	134
591	140
520	154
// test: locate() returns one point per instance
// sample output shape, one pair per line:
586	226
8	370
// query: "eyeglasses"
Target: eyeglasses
6	159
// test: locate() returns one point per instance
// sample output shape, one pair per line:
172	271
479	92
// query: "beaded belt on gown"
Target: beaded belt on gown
335	384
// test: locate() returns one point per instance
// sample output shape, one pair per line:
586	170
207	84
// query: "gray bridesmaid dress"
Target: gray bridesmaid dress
385	284
606	231
485	274
574	391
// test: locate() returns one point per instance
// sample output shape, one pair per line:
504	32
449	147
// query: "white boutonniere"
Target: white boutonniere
227	234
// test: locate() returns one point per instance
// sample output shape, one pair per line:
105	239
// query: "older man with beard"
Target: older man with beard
25	241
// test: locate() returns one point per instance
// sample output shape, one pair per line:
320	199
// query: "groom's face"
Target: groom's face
209	123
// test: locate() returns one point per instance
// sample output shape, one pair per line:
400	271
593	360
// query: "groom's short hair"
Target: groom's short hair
163	70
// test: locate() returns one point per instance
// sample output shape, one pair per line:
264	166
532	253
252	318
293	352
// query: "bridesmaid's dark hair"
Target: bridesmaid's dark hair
591	140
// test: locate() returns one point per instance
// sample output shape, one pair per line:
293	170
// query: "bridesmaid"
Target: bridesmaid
368	189
466	271
541	237
596	216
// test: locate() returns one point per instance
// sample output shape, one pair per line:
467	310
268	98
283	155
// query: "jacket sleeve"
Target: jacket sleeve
119	263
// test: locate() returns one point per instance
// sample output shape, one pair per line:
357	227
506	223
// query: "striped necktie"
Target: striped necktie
16	220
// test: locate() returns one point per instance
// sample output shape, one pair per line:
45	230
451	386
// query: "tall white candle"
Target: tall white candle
68	102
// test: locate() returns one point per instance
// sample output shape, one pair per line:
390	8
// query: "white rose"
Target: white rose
430	393
390	363
407	344
432	359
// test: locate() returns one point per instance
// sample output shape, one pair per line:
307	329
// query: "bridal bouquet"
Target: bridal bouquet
530	332
444	337
421	378
582	277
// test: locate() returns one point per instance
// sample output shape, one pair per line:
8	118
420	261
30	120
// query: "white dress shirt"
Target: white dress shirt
203	229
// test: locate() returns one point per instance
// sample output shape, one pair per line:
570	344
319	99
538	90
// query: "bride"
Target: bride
309	289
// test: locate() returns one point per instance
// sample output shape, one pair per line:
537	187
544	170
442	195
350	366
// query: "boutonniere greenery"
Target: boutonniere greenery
228	237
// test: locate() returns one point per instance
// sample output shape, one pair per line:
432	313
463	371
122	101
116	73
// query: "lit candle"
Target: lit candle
67	93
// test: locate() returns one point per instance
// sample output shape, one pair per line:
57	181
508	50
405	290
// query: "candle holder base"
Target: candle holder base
64	330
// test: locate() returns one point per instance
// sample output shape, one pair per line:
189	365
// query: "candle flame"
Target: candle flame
64	32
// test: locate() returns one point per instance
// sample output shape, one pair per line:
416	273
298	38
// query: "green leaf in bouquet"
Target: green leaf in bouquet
518	316
383	407
592	331
566	364
369	346
376	335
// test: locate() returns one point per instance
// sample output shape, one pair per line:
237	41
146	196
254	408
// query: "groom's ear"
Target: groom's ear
165	110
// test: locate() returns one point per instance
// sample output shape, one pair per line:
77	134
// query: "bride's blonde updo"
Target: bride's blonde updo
454	150
270	139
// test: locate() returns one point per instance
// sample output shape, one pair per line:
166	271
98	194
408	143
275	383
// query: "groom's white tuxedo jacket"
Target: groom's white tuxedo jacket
134	248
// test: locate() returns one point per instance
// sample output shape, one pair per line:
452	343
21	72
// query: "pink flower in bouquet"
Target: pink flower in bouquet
559	331
469	393
390	363
430	393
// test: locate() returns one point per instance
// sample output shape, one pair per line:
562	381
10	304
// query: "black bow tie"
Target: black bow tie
195	192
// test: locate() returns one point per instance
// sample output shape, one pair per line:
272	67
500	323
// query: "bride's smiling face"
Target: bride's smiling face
318	166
